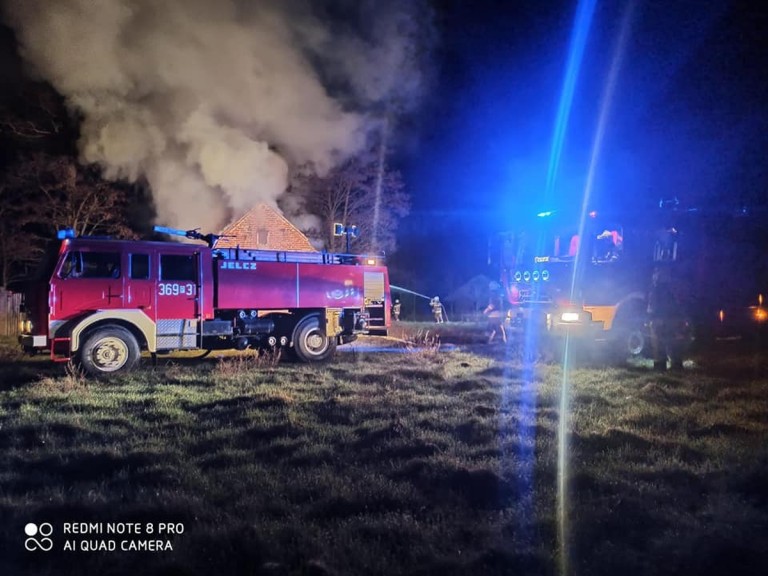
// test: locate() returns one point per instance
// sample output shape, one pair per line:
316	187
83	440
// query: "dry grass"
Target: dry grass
232	365
410	460
423	342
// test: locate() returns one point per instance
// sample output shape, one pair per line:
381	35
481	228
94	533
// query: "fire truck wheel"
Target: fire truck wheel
310	342
109	350
631	339
636	341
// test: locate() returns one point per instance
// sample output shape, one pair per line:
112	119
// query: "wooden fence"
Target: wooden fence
10	314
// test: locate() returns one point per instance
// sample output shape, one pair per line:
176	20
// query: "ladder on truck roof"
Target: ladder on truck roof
255	255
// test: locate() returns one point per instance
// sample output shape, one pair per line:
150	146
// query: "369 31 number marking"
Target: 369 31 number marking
173	289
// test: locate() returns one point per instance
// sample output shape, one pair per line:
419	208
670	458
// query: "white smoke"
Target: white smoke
213	100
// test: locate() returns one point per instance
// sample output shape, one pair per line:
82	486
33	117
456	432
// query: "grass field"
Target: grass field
409	460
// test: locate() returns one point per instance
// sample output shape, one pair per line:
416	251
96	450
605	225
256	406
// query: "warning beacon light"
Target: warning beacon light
65	233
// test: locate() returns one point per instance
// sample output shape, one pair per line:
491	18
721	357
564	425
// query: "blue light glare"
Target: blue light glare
578	43
579	35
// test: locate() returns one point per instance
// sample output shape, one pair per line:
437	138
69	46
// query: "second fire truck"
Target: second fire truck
588	280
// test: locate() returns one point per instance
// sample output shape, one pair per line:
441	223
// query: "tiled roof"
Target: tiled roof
263	228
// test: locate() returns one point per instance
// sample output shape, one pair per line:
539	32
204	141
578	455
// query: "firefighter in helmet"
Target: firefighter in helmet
664	322
610	245
396	310
495	313
437	309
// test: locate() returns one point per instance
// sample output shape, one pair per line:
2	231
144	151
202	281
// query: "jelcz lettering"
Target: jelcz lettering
235	265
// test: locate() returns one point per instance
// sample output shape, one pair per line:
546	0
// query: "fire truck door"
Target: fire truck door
177	294
87	281
140	284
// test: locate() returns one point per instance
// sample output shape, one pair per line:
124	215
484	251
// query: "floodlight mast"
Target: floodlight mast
342	230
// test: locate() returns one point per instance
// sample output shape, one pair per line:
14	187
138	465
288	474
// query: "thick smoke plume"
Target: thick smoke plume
212	101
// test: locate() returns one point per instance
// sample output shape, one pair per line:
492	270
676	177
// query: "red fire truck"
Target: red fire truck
102	301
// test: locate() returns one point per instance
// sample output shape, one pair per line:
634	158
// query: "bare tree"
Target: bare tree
17	250
361	192
73	196
41	194
39	115
42	187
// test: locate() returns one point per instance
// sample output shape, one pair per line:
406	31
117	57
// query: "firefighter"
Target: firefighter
610	245
664	322
496	318
396	310
666	244
437	309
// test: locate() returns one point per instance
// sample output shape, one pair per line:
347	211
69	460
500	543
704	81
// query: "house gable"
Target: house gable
263	228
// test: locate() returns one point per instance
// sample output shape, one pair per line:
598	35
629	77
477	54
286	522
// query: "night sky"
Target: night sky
688	117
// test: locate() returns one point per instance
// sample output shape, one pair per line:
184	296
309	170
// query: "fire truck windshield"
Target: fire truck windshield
598	244
90	265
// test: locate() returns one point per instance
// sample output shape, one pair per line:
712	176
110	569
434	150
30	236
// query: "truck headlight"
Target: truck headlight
569	317
25	326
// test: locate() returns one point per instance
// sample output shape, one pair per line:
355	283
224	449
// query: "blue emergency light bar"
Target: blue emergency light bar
65	233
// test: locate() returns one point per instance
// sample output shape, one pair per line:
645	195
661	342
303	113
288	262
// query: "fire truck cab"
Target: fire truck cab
103	301
587	280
